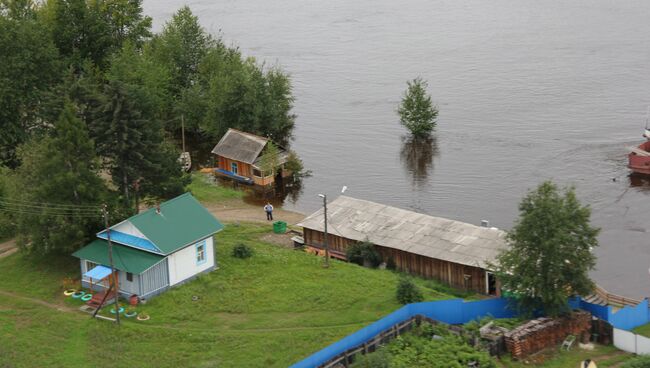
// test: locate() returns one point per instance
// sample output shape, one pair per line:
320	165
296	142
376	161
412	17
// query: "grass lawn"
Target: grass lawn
267	311
604	356
207	192
643	330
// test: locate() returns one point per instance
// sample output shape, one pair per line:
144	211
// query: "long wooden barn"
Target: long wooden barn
453	252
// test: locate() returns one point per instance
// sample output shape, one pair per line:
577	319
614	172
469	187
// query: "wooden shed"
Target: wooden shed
238	156
453	252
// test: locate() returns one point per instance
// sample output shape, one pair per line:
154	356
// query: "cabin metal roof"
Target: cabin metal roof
125	258
240	146
181	222
409	231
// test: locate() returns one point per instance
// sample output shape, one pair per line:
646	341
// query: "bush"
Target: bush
363	254
242	251
408	292
378	359
638	362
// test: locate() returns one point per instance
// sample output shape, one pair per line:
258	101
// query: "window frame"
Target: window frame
88	265
234	168
201	249
129	277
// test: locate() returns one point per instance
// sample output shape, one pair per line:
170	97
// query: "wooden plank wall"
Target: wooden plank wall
243	168
452	274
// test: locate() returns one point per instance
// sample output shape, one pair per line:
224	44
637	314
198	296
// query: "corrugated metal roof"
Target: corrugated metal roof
125	258
240	146
181	221
409	231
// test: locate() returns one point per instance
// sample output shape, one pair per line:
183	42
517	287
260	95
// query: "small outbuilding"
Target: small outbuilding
239	156
453	252
153	250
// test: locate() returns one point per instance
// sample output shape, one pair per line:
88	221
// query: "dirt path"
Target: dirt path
8	248
241	212
60	308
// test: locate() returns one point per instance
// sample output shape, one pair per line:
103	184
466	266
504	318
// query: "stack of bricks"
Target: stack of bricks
542	333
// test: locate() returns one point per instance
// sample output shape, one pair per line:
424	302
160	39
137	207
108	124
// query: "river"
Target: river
527	90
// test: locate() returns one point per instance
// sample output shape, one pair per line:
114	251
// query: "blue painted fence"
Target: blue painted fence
626	318
457	311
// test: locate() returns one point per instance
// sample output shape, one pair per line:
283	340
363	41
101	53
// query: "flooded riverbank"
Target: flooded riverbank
527	91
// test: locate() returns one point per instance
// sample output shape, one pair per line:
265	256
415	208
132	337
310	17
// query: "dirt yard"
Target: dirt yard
237	211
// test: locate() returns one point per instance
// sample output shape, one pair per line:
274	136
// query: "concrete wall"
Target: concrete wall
183	264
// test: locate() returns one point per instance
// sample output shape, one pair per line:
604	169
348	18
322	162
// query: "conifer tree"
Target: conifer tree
63	170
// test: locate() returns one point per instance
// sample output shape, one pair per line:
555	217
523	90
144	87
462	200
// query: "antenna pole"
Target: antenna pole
110	260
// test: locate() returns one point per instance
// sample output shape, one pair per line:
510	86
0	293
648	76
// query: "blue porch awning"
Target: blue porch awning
98	272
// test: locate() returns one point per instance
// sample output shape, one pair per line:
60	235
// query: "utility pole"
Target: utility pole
183	130
136	186
326	242
110	260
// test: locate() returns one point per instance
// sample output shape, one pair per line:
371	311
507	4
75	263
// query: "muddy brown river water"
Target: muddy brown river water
527	90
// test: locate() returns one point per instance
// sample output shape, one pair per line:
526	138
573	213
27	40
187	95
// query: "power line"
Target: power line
49	213
54	209
46	204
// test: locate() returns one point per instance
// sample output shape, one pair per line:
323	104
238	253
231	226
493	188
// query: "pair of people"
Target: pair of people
269	211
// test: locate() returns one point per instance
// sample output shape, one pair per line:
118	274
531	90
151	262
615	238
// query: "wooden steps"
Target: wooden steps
96	301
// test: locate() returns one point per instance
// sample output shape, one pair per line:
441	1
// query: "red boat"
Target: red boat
639	157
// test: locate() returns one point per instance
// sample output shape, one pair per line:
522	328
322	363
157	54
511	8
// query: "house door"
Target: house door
234	168
490	283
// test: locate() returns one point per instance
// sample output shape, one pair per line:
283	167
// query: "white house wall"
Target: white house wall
128	228
182	264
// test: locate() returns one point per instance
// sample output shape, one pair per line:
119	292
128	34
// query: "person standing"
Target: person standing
269	211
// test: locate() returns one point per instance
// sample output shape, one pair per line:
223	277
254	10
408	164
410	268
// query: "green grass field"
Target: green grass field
643	330
267	311
207	192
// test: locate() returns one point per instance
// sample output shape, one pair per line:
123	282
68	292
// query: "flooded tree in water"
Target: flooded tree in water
417	156
416	111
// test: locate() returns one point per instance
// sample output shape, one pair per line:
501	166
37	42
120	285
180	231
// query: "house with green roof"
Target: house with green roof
153	250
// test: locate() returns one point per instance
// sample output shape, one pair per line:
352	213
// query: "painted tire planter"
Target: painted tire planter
143	317
78	294
69	292
113	310
130	314
87	297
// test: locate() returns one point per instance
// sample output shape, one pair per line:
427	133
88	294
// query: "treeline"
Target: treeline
91	104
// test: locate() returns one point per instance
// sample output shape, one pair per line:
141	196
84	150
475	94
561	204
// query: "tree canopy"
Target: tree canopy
60	169
94	69
550	252
416	111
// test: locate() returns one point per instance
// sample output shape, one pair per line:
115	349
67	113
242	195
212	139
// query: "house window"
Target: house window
90	265
257	172
234	168
200	253
129	277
